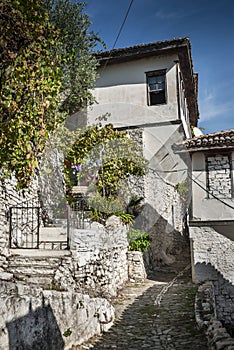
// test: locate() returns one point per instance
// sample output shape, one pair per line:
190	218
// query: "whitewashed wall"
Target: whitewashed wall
121	90
206	207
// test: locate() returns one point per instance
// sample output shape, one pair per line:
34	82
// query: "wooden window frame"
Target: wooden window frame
157	96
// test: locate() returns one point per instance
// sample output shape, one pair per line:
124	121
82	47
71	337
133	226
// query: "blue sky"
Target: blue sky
208	24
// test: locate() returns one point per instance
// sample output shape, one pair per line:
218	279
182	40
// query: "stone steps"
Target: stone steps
36	270
53	238
52	234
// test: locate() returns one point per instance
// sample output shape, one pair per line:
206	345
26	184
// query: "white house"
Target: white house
212	209
151	91
211	227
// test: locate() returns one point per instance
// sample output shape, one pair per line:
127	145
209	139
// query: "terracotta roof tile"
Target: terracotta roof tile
217	140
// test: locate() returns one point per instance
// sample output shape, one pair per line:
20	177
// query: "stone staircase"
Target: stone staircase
34	266
53	238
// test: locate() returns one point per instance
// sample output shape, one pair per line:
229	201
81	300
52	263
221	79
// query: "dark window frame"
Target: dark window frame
156	95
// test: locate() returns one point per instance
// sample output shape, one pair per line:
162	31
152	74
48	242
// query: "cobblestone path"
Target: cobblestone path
161	317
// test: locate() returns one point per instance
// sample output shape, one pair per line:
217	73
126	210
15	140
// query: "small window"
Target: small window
156	85
219	176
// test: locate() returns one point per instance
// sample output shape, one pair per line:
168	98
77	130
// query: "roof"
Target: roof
221	140
179	46
142	50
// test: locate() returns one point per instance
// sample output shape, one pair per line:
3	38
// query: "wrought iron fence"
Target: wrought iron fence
24	226
34	227
79	216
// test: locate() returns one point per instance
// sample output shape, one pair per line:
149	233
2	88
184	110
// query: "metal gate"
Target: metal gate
24	227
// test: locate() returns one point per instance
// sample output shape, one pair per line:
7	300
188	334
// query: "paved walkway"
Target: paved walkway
155	316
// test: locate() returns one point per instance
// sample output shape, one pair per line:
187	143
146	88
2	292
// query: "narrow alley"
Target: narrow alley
158	315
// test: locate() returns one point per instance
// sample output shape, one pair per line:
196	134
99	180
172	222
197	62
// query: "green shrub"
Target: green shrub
67	333
126	218
138	240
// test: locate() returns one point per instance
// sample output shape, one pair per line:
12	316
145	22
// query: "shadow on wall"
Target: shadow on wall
169	248
37	330
223	288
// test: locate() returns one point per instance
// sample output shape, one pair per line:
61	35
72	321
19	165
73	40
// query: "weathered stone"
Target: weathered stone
136	266
6	276
142	325
37	319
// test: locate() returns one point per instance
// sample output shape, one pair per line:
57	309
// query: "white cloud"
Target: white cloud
211	106
164	15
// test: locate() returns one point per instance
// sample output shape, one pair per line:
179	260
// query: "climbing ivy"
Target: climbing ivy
30	85
46	72
103	156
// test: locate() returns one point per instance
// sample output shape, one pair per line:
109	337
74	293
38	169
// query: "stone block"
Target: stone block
5	276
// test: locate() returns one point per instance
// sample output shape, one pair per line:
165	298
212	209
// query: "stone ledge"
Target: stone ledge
205	314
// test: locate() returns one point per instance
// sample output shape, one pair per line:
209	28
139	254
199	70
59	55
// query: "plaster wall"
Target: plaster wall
203	207
121	91
158	150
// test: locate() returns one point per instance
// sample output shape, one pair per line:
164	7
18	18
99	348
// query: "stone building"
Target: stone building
150	90
211	226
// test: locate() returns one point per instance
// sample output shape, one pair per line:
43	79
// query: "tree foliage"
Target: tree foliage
100	159
77	44
45	73
105	156
30	85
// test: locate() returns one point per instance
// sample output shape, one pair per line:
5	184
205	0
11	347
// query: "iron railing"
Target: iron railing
24	227
33	227
79	216
36	227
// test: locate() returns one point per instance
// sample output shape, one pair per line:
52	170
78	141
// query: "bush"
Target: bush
138	240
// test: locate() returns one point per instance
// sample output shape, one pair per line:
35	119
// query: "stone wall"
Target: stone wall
98	264
224	296
162	217
37	319
219	176
10	197
213	256
206	317
136	267
212	253
99	272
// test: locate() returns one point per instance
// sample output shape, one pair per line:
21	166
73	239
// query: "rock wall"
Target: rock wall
206	317
163	217
48	320
213	256
136	267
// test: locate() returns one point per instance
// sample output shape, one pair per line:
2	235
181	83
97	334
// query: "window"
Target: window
219	178
156	85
